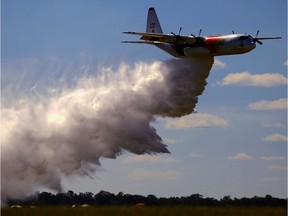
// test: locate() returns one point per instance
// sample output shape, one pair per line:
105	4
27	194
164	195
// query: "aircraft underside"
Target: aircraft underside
184	51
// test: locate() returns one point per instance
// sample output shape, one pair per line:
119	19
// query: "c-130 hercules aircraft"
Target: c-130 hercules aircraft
195	46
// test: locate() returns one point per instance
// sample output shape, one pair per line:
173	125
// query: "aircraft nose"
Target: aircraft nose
251	44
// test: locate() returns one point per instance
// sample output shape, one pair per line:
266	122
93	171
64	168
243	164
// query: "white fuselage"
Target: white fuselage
211	46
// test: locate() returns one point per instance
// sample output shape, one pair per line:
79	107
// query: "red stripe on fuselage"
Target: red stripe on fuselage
213	42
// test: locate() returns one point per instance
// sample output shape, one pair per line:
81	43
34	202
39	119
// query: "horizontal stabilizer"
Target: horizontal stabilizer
139	42
146	34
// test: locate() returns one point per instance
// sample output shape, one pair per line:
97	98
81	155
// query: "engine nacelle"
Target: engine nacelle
190	40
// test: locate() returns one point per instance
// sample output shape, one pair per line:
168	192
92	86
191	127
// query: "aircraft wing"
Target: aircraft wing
166	38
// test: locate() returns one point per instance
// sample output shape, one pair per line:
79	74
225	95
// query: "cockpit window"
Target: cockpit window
243	38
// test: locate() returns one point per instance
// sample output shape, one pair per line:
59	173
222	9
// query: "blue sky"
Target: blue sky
238	147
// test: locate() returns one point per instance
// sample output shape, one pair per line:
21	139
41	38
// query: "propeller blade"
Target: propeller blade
180	30
257	34
258	41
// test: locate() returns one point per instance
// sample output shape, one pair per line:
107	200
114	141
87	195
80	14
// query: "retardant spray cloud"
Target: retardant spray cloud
100	117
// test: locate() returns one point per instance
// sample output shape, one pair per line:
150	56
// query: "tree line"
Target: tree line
107	198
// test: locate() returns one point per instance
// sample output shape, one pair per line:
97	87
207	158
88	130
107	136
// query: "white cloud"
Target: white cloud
269	105
144	174
277	167
241	156
272	125
276	138
218	65
271	179
273	158
196	121
285	63
148	158
260	80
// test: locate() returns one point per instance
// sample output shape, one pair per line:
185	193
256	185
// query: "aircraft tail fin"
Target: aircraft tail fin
153	25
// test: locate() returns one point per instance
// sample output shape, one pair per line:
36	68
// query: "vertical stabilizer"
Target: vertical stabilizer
153	25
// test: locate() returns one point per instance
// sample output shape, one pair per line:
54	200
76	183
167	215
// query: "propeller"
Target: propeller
255	39
198	38
178	32
178	37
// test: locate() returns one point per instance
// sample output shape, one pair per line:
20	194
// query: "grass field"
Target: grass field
141	211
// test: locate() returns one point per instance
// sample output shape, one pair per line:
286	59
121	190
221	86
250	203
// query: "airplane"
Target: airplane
190	46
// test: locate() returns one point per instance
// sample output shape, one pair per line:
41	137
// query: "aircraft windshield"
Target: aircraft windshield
244	37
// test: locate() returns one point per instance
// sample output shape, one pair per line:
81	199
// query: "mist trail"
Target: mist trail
100	117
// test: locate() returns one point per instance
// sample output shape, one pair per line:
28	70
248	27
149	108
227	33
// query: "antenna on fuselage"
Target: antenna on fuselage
233	32
199	32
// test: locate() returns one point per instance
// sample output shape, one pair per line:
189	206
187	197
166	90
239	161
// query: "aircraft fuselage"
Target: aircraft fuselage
210	46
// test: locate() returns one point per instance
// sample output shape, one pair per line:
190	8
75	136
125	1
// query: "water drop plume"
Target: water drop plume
67	132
